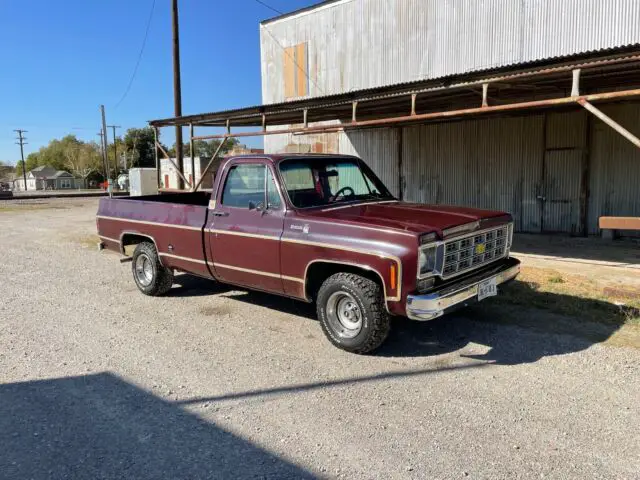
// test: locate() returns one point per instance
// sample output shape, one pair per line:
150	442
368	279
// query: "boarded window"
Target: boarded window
296	71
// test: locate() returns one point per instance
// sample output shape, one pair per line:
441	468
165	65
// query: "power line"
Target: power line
135	69
269	7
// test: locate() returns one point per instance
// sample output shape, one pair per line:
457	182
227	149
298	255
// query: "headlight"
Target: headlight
427	260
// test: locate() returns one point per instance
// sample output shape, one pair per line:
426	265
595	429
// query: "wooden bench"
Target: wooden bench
609	225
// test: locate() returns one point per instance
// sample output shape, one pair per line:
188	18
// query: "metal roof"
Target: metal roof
545	80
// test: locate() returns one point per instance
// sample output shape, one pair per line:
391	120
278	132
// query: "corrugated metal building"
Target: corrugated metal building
539	165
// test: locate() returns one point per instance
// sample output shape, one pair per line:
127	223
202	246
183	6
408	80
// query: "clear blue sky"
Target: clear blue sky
62	59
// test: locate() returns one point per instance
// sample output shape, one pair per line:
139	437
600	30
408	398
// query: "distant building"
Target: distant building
243	150
48	178
169	177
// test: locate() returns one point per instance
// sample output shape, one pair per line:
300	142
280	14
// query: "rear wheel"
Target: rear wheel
150	276
352	314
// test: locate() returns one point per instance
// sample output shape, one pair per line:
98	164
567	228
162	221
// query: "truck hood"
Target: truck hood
409	217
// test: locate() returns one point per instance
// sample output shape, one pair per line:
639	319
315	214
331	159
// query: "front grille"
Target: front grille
475	250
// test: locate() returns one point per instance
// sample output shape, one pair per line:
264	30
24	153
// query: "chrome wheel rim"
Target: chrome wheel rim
344	314
144	270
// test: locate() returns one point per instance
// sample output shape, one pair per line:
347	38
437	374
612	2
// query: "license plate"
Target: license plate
487	288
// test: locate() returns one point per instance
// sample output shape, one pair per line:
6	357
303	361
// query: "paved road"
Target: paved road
99	381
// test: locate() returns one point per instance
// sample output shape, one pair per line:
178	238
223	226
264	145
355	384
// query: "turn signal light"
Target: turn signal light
393	278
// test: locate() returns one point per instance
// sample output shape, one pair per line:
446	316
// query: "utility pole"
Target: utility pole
105	144
104	165
21	142
115	146
177	92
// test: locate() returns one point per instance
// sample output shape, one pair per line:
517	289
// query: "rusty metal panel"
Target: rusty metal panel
488	163
356	44
615	166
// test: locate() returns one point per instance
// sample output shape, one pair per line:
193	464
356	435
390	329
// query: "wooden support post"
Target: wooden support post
611	122
264	122
304	118
413	103
400	176
157	156
206	170
575	85
354	108
192	153
485	91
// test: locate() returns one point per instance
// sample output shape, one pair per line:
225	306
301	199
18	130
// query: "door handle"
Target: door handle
220	214
540	197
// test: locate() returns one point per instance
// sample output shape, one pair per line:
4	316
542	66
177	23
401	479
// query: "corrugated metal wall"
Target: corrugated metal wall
488	163
358	44
529	165
615	166
379	148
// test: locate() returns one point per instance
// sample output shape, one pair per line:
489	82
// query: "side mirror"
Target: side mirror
258	208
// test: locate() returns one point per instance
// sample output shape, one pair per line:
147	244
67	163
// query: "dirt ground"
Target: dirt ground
99	381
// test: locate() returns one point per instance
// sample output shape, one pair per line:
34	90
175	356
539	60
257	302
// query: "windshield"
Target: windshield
313	182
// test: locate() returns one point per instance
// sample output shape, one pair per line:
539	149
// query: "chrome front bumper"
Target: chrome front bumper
435	304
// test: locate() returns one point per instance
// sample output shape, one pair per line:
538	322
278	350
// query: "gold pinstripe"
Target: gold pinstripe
145	222
178	257
115	240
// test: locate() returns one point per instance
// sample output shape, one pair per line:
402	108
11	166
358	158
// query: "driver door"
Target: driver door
246	225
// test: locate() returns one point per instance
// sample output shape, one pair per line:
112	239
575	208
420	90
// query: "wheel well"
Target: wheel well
133	239
318	272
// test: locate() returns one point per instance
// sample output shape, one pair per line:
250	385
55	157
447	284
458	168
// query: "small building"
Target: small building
48	178
169	177
242	149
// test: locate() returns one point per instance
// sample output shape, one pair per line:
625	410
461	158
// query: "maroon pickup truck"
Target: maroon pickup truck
317	228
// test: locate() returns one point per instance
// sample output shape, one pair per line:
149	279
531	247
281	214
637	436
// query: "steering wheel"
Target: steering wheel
342	191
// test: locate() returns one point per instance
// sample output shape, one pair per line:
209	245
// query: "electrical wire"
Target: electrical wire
135	69
269	7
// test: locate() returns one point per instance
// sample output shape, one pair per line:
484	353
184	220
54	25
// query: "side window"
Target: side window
244	184
272	192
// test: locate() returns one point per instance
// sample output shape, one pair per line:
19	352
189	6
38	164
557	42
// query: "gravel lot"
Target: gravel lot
99	381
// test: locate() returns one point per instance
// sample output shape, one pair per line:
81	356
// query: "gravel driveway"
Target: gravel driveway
99	381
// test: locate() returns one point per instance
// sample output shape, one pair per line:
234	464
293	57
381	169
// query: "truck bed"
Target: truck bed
173	222
187	198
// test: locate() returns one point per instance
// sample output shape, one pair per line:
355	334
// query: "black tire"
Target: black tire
364	301
154	279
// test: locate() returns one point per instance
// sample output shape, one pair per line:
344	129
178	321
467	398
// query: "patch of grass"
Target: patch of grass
571	295
556	279
86	240
22	207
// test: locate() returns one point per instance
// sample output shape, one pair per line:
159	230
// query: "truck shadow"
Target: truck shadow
100	426
508	334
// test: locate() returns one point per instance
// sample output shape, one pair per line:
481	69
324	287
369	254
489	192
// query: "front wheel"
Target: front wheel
150	276
352	313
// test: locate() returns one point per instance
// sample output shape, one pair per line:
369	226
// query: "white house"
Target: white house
48	178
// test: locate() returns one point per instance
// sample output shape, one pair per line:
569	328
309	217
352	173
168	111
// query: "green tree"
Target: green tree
206	148
139	144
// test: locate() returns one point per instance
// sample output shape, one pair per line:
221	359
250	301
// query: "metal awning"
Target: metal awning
536	87
574	82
